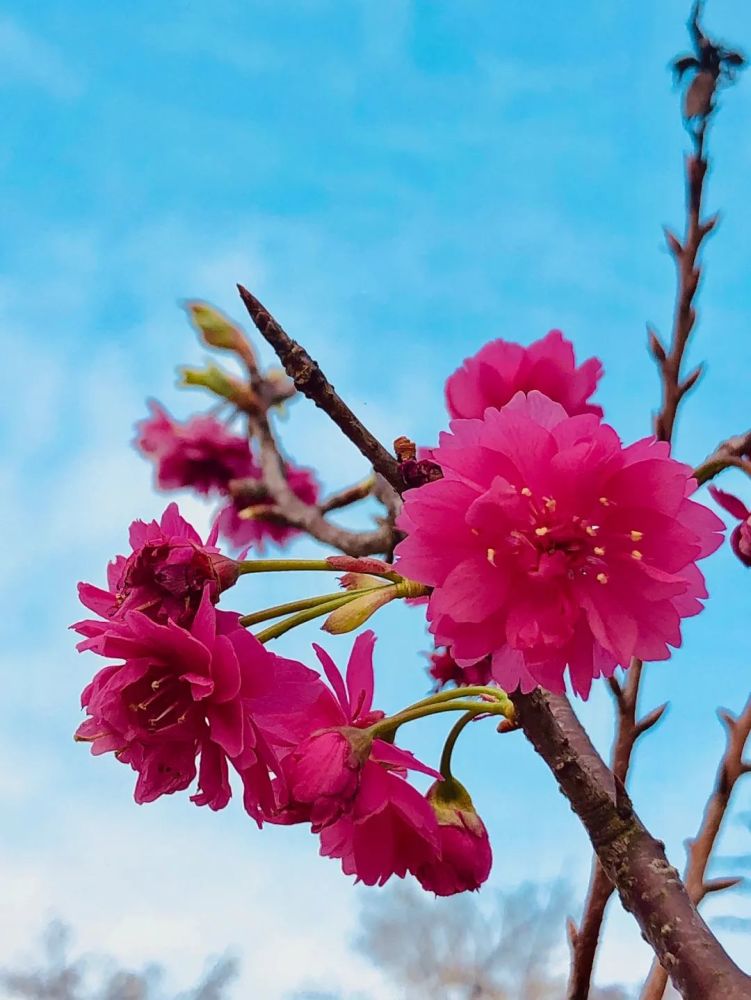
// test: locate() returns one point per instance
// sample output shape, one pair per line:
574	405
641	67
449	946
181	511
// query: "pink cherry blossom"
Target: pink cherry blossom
465	856
163	577
550	545
445	670
258	529
323	770
200	453
740	539
183	703
352	788
390	828
501	368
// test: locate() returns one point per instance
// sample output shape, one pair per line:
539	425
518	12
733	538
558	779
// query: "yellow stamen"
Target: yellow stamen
602	577
550	503
604	501
591	530
636	536
541	531
636	554
599	550
525	491
491	557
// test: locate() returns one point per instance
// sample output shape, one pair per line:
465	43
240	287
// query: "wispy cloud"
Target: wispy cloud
30	60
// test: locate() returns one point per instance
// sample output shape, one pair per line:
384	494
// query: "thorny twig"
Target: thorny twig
732	766
584	940
310	380
272	494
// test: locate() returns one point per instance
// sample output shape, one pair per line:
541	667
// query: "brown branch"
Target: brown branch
732	766
649	887
674	387
310	380
686	256
347	496
628	731
288	507
731	453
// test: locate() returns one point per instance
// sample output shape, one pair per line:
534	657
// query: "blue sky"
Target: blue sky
399	182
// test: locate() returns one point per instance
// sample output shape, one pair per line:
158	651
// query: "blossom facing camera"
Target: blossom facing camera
165	576
500	369
550	546
200	453
464	855
740	539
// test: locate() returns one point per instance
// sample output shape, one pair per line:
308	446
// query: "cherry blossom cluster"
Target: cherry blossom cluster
543	548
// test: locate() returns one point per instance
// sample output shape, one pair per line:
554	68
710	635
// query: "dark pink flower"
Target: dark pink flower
183	703
389	829
445	670
740	538
350	787
550	545
200	453
465	856
322	771
501	369
163	577
256	530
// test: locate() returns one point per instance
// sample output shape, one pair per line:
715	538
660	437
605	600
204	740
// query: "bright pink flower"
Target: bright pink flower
740	539
256	530
445	670
390	828
182	696
550	545
200	453
465	857
323	770
163	577
501	369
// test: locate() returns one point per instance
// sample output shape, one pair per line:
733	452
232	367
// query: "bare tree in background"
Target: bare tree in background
508	947
56	975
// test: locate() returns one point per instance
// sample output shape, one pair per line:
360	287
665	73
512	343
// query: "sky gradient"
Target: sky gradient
399	182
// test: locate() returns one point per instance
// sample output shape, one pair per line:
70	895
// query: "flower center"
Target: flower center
549	543
160	700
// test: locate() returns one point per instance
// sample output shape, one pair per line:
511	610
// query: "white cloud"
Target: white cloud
29	60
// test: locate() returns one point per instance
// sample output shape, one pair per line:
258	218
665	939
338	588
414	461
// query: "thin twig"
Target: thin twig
585	938
649	887
732	766
310	380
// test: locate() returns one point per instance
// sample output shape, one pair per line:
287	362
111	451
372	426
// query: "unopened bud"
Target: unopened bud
215	328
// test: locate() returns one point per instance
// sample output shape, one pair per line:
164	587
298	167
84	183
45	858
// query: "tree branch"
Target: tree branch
730	769
648	885
310	380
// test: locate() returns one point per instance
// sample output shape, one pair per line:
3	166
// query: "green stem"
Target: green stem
317	565
281	565
300	605
388	726
274	631
448	747
468	691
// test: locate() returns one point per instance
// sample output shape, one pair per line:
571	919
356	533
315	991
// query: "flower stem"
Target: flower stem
281	565
388	726
448	747
292	606
274	631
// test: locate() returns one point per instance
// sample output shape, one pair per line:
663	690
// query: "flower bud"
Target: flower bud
465	857
215	328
